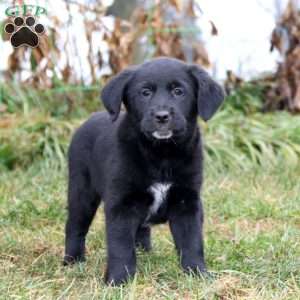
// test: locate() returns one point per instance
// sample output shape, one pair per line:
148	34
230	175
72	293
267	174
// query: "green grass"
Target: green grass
59	101
252	246
231	139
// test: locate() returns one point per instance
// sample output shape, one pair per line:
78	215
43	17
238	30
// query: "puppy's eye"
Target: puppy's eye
178	91
146	92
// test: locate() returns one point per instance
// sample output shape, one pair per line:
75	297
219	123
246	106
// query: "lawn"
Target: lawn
252	245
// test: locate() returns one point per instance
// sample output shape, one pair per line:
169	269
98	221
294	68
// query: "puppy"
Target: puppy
145	164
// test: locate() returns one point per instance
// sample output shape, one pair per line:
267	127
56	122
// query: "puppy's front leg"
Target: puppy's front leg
186	218
120	231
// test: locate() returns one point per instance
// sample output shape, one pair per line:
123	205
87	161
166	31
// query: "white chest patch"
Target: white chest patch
159	192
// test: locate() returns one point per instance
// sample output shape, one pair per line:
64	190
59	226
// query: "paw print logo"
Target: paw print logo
24	32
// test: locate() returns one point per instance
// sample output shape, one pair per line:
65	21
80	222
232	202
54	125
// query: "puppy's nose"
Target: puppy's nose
162	116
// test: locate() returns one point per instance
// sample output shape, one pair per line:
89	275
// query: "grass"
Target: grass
231	139
252	244
59	101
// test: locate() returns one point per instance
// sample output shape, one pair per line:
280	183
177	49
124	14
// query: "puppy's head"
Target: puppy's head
163	97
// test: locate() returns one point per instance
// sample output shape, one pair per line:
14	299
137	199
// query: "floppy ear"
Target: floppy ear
113	92
210	94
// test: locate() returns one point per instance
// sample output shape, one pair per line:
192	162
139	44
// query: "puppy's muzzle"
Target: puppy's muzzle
162	120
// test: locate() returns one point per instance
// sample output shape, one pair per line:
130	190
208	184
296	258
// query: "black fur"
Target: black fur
116	158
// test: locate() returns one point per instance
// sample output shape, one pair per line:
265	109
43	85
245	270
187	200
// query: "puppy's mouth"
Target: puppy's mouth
162	134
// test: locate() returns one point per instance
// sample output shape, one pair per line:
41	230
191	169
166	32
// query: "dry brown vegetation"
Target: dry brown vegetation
284	92
165	27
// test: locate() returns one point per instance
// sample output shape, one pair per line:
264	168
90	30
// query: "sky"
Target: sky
242	44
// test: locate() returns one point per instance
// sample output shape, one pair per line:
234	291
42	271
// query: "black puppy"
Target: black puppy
145	164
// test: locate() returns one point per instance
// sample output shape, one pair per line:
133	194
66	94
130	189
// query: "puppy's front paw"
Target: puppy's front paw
195	268
116	278
118	274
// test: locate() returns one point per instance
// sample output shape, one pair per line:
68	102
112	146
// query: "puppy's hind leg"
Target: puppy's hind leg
82	205
143	238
